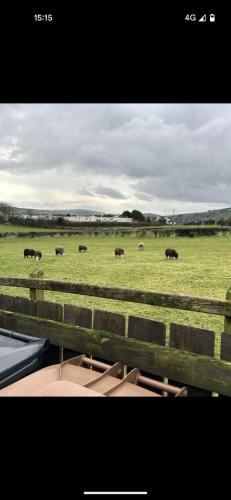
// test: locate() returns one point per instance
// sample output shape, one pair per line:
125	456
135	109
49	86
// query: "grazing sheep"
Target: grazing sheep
170	252
119	252
141	246
28	252
82	248
37	255
59	251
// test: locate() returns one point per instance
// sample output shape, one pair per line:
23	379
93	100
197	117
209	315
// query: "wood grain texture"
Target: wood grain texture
184	302
76	315
145	329
227	320
36	293
226	346
111	322
194	340
50	310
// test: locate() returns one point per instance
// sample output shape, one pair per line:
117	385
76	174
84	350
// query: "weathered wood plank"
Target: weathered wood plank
147	330
35	293
111	322
226	346
50	310
2	296
188	368
227	319
26	306
8	302
18	304
193	340
225	352
81	316
184	302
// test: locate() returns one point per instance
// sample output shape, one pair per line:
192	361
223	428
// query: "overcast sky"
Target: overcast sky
156	158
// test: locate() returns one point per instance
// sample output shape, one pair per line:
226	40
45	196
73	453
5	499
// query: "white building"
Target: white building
80	218
122	219
36	217
96	218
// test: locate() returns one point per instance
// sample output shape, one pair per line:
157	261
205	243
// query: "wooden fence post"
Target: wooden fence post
227	320
36	294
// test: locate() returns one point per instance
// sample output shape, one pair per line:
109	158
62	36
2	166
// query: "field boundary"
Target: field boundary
175	301
187	357
120	232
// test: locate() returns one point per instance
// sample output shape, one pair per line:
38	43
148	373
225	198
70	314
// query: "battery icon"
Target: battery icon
212	18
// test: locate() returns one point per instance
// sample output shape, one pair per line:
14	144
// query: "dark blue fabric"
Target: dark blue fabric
19	355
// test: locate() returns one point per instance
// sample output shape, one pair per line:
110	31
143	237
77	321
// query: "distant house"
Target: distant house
170	222
79	218
96	218
156	218
123	219
35	217
153	218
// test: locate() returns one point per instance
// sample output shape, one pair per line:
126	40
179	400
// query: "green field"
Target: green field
203	269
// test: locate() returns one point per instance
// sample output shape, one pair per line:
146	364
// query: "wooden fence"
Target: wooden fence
137	342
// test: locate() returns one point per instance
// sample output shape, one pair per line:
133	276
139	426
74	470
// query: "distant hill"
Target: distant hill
35	211
74	211
151	215
187	217
222	213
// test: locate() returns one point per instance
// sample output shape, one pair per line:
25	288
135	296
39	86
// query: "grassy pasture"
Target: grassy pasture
203	269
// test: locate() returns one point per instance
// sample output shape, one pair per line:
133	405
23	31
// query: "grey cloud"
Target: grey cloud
85	192
112	193
169	151
143	196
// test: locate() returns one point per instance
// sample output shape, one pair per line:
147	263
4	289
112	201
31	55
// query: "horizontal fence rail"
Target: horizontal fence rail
171	300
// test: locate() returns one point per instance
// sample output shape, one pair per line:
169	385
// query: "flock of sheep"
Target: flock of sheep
119	252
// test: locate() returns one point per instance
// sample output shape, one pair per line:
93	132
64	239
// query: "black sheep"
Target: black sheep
37	255
82	248
28	252
170	252
59	251
119	252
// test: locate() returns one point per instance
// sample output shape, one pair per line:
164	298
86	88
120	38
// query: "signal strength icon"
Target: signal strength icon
202	19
